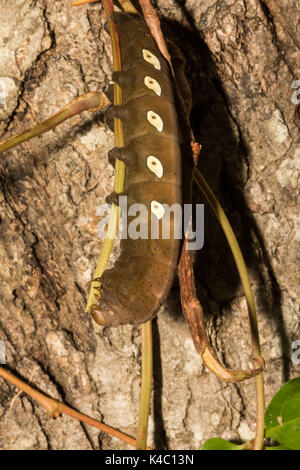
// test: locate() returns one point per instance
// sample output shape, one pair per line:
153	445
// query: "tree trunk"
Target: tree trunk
241	63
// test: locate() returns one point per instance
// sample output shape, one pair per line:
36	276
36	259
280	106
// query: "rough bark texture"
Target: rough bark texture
242	58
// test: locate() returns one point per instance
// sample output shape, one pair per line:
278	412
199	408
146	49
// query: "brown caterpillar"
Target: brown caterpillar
133	291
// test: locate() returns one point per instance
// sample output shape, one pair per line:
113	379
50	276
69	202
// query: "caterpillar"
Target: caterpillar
135	288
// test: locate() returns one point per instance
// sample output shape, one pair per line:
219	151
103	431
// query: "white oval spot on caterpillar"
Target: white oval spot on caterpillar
155	120
157	209
154	164
152	84
151	58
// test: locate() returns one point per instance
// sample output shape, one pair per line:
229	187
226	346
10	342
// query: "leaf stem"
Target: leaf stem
88	102
141	439
54	407
242	269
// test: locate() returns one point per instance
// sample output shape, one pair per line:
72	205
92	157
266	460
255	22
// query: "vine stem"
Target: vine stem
147	365
55	408
242	269
120	166
109	240
93	101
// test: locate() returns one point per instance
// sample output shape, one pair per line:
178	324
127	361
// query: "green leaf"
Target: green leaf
282	417
220	444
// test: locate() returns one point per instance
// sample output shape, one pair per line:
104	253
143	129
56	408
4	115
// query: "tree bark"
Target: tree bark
241	64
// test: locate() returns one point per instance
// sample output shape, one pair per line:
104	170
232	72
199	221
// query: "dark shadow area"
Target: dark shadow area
223	159
160	436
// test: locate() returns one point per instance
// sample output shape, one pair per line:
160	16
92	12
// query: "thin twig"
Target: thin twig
242	269
153	22
93	101
55	408
193	312
141	437
119	167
